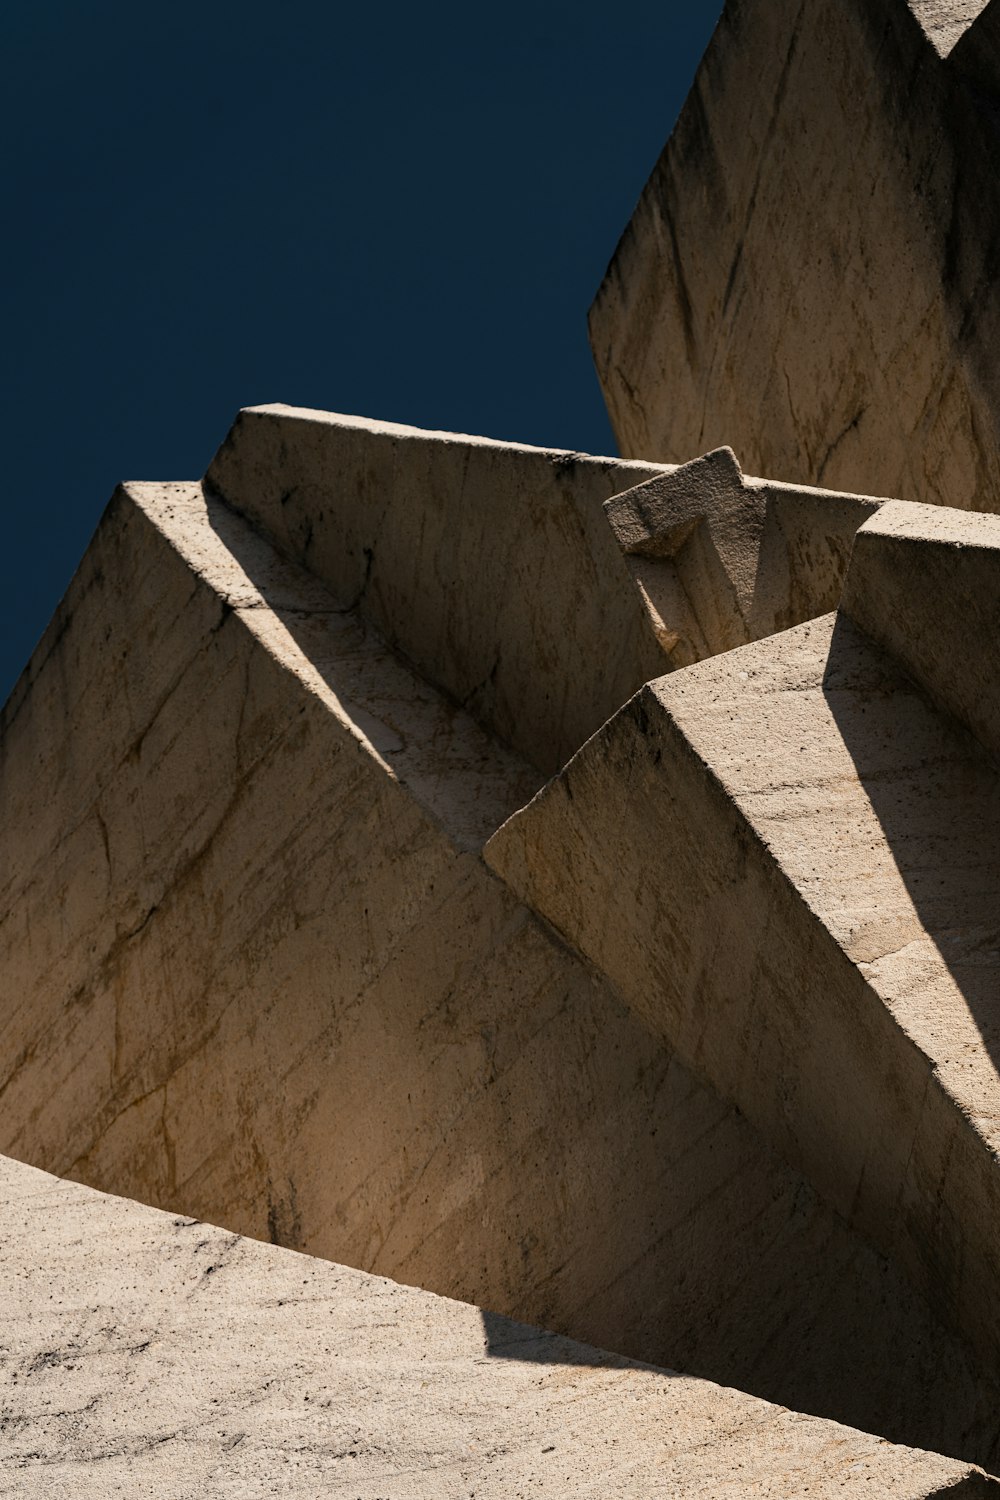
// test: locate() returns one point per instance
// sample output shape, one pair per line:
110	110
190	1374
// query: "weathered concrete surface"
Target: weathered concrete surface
247	942
924	583
488	565
145	1354
789	864
722	559
809	275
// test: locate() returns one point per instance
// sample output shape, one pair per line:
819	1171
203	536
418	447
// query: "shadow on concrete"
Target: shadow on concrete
508	1339
468	781
936	794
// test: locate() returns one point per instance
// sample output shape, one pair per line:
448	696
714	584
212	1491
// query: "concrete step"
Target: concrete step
488	565
149	1354
787	861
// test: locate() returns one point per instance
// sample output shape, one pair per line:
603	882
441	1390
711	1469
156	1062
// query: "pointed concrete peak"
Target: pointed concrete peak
656	518
946	22
722	458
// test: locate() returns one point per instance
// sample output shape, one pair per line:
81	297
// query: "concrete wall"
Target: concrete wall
809	275
491	567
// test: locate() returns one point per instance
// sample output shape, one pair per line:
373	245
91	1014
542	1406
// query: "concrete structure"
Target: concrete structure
810	273
563	884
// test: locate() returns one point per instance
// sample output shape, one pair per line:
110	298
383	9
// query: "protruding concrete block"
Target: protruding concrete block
810	273
924	583
721	559
704	511
655	519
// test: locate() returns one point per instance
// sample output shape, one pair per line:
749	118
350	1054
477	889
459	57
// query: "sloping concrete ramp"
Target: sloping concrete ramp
150	1355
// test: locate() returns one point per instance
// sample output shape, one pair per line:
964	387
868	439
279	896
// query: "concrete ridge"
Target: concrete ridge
404	430
466	781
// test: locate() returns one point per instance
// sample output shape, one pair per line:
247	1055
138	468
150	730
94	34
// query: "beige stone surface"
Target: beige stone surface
488	565
787	862
150	1355
248	944
946	21
924	582
809	275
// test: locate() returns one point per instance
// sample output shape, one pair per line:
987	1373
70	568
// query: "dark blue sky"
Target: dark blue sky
400	212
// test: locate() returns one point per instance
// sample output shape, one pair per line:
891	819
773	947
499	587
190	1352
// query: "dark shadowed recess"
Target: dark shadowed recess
398	211
932	787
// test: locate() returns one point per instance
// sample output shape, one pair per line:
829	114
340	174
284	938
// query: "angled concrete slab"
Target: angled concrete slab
488	565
